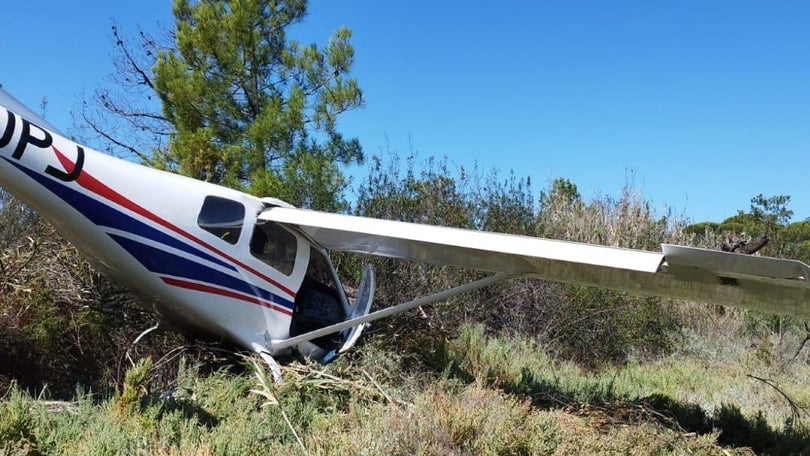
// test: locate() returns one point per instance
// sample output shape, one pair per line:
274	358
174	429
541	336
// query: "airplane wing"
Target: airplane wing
753	282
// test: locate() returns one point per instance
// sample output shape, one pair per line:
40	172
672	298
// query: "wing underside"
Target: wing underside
753	282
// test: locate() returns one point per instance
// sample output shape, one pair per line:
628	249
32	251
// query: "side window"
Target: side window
275	246
222	217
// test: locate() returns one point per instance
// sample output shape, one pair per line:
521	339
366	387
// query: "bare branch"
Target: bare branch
132	64
806	339
102	132
795	410
739	246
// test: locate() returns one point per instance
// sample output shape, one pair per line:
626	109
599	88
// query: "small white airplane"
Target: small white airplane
256	271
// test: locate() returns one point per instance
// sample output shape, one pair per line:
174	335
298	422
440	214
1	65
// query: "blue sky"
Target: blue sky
702	105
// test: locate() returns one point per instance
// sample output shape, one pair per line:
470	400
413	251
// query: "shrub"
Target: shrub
16	422
61	322
588	325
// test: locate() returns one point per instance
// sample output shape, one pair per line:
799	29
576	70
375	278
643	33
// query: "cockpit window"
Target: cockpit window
275	246
320	272
222	217
318	303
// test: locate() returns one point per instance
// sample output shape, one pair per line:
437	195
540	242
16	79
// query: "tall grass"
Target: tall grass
486	395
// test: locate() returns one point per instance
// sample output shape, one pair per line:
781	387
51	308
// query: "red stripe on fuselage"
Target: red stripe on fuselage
223	292
94	185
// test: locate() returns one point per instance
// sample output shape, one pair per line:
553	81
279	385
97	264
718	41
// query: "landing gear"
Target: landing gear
272	365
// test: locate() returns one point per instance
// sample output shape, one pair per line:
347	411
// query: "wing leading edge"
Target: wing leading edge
758	283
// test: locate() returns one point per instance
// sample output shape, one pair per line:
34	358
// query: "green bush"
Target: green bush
591	326
16	422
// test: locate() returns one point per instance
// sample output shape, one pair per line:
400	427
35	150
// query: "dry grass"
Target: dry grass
489	396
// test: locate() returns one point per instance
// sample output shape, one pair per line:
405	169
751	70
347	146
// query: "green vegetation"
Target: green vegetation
524	367
501	395
767	215
543	368
240	104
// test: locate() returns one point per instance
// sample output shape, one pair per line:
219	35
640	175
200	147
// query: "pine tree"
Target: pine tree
244	106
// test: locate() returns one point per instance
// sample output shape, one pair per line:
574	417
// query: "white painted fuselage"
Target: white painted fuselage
148	229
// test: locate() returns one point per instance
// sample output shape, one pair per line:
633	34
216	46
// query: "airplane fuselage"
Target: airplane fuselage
193	249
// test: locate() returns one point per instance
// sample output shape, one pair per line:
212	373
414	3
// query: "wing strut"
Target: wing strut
280	344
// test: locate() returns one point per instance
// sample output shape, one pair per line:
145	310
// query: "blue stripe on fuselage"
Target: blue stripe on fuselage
105	216
165	263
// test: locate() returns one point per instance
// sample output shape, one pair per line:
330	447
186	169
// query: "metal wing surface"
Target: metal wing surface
753	282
